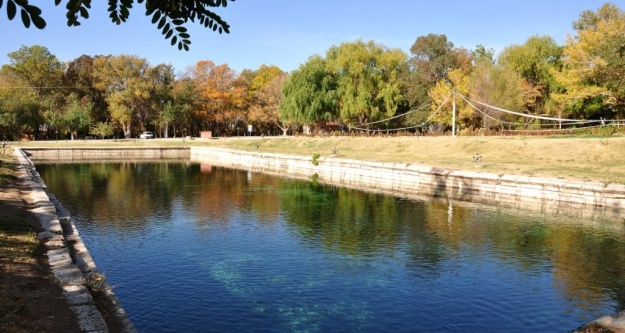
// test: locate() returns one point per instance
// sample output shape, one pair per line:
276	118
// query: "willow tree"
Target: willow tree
309	95
368	85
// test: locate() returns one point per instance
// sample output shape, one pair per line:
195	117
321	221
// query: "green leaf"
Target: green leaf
39	22
11	9
157	15
166	28
184	35
25	18
84	13
178	22
33	10
173	40
162	22
168	34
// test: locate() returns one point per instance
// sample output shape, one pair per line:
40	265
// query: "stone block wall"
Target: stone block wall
416	180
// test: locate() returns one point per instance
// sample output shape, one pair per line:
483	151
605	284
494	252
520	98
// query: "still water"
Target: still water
195	248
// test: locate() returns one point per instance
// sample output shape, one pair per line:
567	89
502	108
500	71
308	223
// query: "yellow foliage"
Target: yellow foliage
442	95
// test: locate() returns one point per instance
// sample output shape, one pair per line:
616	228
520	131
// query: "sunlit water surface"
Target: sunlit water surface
195	248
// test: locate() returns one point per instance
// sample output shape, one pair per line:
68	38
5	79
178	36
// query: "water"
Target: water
194	248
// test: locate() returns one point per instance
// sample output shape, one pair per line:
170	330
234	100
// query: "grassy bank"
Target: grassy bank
580	158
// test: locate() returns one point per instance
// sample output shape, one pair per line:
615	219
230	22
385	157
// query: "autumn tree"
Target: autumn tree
265	93
368	84
594	65
126	82
221	93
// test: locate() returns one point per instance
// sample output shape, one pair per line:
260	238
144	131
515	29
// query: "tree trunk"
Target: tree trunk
126	128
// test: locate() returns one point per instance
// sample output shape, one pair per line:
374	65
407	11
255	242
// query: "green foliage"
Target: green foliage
28	13
102	129
310	94
534	62
431	57
368	85
315	159
38	67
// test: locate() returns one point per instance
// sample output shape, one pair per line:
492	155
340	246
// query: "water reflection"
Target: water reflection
316	257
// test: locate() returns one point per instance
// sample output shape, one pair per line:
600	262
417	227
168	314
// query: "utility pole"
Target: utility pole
453	114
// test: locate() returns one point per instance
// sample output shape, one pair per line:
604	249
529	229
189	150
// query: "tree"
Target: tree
310	94
20	109
161	78
102	129
171	17
221	93
368	80
432	56
495	85
266	98
79	79
126	81
34	74
182	105
39	68
74	116
534	61
594	65
443	93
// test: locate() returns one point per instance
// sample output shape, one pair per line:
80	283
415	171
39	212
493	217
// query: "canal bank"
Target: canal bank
408	180
281	165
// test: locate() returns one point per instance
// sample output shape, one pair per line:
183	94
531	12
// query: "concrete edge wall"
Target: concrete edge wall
105	153
403	179
68	256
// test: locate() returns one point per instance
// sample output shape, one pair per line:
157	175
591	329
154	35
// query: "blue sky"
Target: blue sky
285	33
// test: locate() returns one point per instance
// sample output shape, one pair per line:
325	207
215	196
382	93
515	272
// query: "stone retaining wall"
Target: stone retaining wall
117	153
403	179
68	256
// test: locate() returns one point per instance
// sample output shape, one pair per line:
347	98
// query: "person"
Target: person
4	145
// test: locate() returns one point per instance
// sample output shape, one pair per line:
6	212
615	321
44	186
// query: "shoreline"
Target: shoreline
438	182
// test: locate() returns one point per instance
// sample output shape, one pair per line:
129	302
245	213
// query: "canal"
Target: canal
191	247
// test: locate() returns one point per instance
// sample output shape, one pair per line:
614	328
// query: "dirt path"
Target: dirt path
31	300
